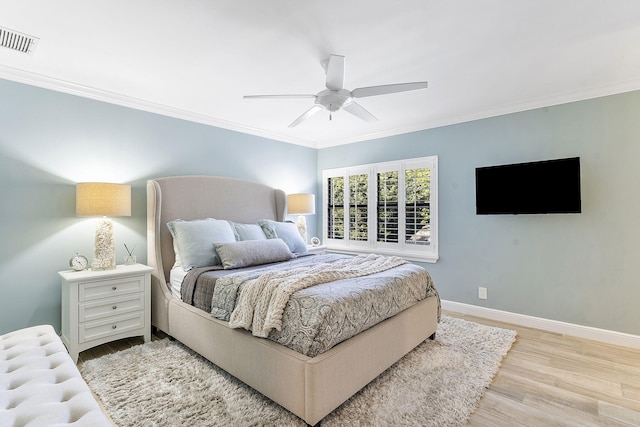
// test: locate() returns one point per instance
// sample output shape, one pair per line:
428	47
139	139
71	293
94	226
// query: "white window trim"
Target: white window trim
409	252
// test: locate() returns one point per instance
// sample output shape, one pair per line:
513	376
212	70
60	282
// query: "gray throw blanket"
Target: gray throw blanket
262	300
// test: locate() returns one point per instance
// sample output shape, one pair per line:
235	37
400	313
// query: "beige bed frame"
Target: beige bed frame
310	387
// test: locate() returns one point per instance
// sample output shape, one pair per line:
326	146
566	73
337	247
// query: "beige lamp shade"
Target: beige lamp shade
103	199
301	204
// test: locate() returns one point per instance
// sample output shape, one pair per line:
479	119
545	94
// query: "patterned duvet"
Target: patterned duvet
321	316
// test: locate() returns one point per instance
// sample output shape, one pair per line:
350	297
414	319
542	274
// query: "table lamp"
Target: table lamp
105	200
301	204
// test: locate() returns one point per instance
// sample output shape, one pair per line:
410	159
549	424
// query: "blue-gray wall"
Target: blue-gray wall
579	268
49	141
574	268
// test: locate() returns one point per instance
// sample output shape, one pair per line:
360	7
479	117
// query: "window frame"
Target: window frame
426	253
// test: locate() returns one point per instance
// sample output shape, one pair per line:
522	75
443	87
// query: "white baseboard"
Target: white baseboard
586	332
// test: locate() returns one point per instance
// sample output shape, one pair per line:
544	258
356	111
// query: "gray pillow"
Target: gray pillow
252	252
192	239
286	231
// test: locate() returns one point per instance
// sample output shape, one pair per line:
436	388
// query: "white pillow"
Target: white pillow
193	240
286	231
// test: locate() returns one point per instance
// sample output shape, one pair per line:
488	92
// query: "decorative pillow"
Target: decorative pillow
247	231
252	252
286	231
193	241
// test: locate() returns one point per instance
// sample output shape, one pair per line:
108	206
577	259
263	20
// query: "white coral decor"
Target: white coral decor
104	252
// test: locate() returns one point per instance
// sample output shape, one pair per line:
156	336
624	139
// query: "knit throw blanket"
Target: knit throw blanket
262	301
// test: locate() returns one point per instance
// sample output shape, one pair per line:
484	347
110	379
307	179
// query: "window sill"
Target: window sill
409	256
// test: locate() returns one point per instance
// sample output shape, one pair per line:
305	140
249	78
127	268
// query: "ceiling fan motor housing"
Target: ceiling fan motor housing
333	100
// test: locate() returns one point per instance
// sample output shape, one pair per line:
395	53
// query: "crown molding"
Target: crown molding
58	85
71	88
500	110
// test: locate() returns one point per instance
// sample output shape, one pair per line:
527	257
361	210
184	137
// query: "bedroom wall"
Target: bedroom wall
49	141
580	268
572	268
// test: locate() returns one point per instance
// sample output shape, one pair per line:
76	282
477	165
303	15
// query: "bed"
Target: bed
311	387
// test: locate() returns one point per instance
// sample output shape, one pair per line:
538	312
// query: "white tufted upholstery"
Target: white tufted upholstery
40	385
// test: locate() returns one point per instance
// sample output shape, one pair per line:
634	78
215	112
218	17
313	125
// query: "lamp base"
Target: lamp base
104	251
302	227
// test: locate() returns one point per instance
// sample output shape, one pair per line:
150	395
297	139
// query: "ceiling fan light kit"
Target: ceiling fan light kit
335	97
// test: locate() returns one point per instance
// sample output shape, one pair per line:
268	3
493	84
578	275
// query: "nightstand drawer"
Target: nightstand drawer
89	291
112	307
111	326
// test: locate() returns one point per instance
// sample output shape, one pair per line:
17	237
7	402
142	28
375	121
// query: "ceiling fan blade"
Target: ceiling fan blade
361	92
335	72
310	112
276	96
359	111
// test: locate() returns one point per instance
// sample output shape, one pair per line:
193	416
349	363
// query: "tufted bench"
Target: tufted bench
40	385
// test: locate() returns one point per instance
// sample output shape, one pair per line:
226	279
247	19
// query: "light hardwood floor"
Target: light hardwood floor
547	379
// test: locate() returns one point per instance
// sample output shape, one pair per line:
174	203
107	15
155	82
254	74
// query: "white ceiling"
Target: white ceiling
195	59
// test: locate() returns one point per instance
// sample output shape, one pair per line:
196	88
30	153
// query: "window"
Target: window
388	208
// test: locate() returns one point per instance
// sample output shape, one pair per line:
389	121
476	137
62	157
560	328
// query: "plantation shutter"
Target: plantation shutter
418	206
335	208
388	207
358	207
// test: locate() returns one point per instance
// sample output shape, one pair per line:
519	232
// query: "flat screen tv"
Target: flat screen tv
545	187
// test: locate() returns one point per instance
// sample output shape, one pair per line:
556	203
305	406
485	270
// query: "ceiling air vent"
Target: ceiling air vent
17	41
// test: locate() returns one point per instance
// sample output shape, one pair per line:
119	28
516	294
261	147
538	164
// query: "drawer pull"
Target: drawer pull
114	307
114	288
114	326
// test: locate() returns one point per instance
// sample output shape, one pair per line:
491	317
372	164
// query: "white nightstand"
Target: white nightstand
103	306
318	250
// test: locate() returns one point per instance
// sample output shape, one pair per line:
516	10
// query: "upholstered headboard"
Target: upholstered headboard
194	197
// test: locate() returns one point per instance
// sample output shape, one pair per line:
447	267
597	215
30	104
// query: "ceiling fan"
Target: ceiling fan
336	97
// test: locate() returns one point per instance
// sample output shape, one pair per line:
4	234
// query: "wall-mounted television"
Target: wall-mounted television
544	187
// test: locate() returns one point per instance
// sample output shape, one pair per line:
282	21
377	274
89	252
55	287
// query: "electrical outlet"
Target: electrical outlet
482	293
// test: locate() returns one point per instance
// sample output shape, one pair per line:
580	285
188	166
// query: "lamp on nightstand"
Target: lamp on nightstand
105	200
301	204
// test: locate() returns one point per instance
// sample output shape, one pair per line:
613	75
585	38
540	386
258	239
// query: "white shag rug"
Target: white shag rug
439	383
